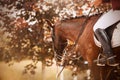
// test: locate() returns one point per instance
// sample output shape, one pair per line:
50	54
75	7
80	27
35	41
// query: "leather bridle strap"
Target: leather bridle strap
83	27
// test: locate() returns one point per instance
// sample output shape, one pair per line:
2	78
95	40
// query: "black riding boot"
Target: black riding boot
108	57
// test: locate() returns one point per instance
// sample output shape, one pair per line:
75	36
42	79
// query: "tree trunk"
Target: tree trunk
43	71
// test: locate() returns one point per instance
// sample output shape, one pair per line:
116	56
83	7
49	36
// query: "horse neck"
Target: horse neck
71	28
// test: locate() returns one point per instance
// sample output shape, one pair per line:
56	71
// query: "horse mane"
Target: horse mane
78	17
71	18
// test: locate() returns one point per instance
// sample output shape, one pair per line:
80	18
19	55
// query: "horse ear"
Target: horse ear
50	23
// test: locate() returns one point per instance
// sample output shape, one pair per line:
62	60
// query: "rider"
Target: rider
106	20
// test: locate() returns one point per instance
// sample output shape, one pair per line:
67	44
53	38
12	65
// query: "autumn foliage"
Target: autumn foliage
26	34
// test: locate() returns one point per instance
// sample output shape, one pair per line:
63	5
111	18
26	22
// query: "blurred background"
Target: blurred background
16	72
26	51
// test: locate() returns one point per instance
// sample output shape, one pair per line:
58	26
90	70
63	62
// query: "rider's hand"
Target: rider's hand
97	3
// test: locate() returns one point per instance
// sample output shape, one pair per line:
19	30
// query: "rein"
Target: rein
83	27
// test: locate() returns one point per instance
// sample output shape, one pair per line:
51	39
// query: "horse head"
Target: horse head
59	42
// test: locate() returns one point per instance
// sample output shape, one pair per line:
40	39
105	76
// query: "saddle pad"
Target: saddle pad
115	42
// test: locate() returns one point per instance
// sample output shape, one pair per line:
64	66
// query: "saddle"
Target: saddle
114	35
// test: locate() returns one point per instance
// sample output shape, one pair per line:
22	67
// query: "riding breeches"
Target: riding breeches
107	19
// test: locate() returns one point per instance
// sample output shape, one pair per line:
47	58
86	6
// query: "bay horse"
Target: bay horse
69	29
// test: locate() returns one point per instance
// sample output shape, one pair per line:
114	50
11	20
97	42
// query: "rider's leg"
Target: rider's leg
106	45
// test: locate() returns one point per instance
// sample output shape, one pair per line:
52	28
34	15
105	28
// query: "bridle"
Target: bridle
56	56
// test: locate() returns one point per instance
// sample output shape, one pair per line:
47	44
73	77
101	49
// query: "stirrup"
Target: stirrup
99	59
113	64
111	57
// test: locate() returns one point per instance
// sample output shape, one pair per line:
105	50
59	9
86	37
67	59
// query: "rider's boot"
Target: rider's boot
105	41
